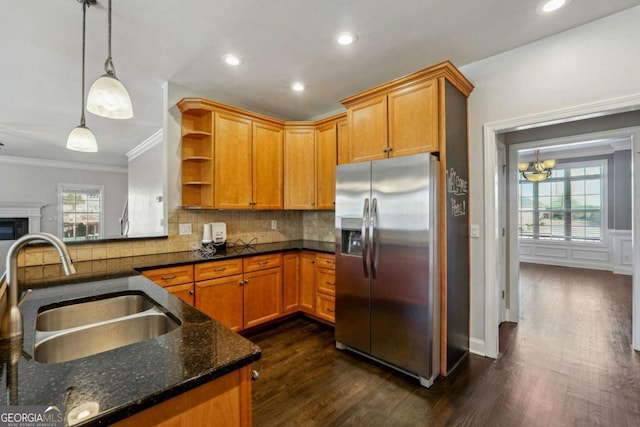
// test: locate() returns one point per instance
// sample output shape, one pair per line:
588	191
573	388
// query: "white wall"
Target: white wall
146	190
39	183
591	63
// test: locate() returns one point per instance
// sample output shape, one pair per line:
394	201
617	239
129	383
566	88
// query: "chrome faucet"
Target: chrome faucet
11	323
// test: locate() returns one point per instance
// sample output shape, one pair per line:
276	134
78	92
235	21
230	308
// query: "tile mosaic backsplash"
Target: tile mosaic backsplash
241	226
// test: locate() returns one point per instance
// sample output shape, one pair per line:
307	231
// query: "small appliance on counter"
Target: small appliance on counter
219	233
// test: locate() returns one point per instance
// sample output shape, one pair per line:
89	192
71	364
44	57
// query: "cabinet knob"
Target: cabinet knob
313	261
390	149
246	281
385	150
313	203
255	376
191	292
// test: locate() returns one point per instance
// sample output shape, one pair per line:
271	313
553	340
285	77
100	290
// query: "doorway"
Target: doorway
492	203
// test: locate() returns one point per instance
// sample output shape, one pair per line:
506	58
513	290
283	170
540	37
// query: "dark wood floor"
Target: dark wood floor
569	362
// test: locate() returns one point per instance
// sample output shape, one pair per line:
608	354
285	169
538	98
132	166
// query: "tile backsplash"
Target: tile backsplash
241	225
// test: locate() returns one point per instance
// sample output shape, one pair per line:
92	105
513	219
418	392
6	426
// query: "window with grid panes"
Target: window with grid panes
81	215
567	206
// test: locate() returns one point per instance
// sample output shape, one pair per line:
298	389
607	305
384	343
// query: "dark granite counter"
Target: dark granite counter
123	267
129	379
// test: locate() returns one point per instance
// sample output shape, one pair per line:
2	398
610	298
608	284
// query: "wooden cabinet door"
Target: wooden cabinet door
326	161
413	119
290	270
268	188
307	282
343	143
368	129
232	174
222	300
299	168
262	296
184	292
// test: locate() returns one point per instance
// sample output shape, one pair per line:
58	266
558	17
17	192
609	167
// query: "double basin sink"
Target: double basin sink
80	328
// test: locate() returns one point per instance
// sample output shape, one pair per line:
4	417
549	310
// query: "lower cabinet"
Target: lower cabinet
222	299
240	301
290	280
307	283
177	280
242	293
225	400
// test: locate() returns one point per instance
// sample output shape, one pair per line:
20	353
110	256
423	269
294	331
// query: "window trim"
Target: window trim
605	206
81	187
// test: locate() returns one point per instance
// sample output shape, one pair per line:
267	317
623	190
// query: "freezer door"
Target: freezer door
401	268
353	193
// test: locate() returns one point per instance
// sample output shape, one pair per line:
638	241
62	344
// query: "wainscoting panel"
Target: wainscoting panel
614	254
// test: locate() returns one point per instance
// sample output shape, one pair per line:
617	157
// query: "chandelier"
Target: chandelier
536	171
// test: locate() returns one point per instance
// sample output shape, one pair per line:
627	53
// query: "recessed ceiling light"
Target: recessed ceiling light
552	5
297	86
346	38
230	59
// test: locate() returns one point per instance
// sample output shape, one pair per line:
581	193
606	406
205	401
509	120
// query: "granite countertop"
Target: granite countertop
129	379
126	266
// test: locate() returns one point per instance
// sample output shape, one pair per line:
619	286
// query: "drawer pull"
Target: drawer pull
331	283
330	261
173	276
331	310
263	262
219	269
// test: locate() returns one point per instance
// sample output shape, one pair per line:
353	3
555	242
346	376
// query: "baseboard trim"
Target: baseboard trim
477	346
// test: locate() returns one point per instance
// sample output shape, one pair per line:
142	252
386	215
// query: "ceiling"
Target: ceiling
279	41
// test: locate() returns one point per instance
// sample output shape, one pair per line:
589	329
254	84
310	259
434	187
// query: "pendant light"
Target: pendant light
107	96
536	171
81	138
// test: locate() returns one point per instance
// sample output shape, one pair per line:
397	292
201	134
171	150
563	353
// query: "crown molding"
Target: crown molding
146	145
29	161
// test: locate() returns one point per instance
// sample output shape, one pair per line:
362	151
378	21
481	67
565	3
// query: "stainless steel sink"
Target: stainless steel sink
79	330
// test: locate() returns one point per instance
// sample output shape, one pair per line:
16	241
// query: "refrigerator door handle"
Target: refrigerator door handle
374	239
364	237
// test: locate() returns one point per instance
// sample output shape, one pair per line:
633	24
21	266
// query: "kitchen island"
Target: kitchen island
144	383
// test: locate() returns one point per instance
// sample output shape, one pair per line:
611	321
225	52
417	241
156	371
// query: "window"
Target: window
568	206
80	211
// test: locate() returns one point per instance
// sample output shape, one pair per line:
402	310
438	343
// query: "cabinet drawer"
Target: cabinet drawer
262	262
215	269
171	275
326	261
326	307
326	281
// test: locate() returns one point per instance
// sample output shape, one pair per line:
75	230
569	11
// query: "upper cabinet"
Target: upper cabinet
310	159
299	167
402	117
197	155
231	158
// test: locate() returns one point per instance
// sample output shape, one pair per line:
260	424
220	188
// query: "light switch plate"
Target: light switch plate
475	230
185	229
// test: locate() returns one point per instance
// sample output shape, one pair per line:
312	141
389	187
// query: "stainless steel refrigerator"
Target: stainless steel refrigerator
387	270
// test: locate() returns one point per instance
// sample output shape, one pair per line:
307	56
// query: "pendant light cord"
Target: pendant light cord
84	25
108	65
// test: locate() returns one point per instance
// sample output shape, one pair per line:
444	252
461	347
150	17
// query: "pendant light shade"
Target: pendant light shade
81	138
107	96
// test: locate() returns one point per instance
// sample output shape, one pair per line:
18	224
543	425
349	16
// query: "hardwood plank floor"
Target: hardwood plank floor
569	362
